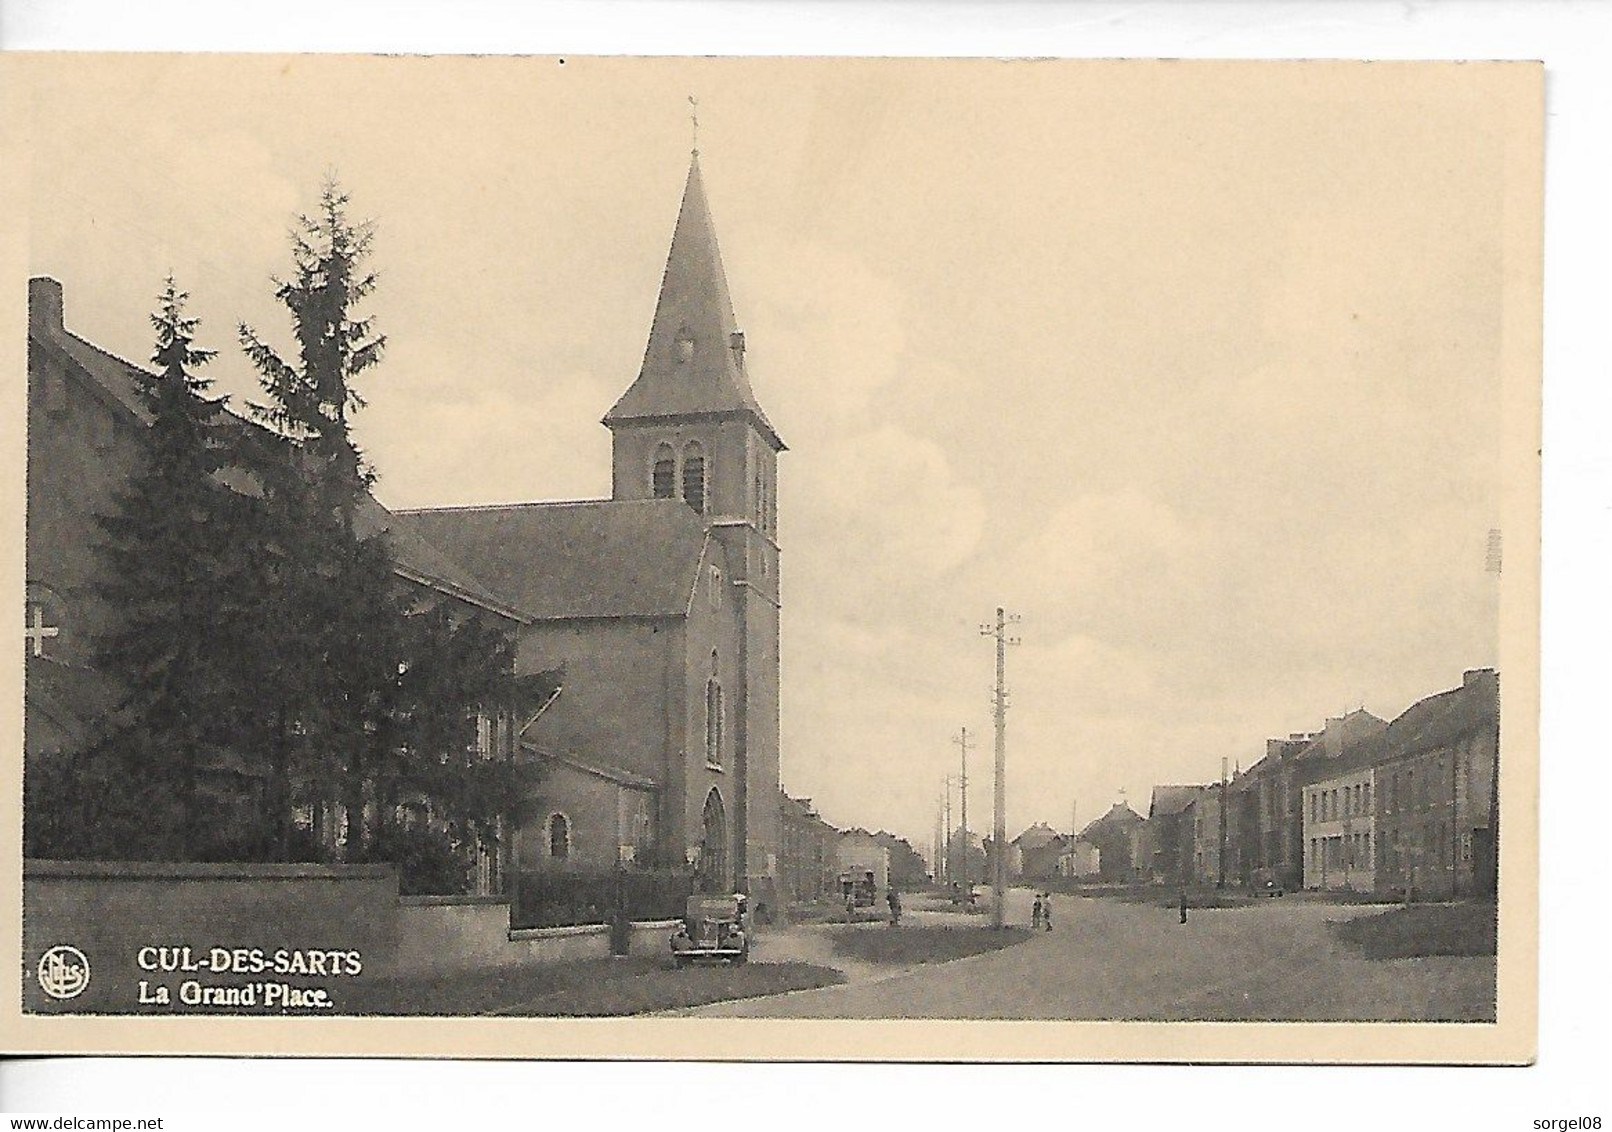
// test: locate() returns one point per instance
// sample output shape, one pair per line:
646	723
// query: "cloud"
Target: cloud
898	513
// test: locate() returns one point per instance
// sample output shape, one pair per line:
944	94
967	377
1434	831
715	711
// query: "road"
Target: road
1110	960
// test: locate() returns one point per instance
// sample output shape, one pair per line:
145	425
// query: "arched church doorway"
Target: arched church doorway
714	845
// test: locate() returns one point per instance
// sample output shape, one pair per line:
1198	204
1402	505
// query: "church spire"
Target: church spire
694	360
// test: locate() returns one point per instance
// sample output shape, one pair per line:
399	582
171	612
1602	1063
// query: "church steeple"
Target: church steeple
694	361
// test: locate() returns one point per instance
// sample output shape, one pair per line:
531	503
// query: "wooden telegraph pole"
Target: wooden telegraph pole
999	837
961	739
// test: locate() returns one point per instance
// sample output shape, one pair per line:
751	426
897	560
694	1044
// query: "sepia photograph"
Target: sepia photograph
663	541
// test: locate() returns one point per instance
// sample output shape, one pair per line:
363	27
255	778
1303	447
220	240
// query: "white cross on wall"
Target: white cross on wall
36	631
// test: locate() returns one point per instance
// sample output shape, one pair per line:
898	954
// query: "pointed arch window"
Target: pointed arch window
559	837
713	717
663	474
694	476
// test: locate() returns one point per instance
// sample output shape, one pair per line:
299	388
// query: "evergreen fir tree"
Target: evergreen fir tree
376	700
331	579
169	564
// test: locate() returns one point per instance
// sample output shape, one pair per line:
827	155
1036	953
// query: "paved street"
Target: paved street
1112	960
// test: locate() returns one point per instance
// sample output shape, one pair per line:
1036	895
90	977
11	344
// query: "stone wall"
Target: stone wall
133	922
149	928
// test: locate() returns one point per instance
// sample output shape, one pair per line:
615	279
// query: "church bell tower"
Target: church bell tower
690	428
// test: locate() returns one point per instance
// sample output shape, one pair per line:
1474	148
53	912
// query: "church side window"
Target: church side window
713	717
694	477
663	477
559	837
714	587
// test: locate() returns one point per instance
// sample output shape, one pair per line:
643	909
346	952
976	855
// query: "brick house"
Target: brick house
809	861
1435	799
84	422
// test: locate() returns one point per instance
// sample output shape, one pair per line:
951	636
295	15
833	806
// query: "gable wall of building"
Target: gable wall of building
80	449
622	684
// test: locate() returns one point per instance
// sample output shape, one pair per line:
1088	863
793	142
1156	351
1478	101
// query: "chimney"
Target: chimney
44	304
1332	733
1473	675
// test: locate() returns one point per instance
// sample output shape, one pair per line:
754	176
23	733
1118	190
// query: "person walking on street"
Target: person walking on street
894	900
1046	911
1035	913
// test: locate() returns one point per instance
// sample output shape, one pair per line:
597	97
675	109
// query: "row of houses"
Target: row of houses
817	857
1363	804
1105	849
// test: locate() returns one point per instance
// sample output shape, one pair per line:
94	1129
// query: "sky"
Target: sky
1196	370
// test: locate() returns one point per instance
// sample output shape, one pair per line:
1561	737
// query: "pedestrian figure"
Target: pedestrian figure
1183	905
850	907
894	900
1035	913
1046	912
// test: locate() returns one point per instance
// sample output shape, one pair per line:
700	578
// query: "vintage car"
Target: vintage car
1267	882
715	929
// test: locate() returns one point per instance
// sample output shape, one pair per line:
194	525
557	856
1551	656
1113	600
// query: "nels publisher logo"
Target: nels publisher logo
64	972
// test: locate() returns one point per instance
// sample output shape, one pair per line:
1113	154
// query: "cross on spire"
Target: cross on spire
36	632
694	122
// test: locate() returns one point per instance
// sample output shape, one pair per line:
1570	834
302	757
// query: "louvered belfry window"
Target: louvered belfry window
663	480
694	477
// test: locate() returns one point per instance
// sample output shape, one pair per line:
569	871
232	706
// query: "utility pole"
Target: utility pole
948	854
1074	831
1221	882
999	838
961	739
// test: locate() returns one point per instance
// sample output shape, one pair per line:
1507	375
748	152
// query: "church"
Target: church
657	607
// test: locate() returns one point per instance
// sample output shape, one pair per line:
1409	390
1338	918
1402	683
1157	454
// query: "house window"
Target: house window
694	477
713	587
559	837
663	475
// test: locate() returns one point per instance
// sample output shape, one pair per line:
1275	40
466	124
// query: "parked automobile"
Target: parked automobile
714	929
1267	882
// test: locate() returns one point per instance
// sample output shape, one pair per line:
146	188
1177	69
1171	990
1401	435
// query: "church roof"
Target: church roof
539	756
709	377
557	561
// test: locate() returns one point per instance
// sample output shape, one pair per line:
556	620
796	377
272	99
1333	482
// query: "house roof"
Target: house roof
693	306
557	561
1036	836
1118	816
76	699
1429	723
118	380
1169	800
